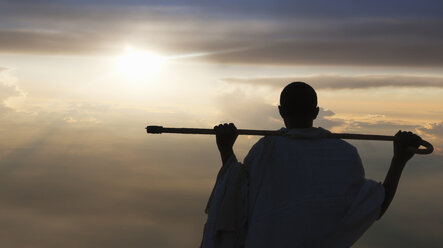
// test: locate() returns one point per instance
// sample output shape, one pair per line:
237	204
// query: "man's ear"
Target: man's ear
315	114
281	111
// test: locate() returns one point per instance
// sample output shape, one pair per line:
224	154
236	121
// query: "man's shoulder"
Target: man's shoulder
264	143
345	144
313	135
261	143
316	143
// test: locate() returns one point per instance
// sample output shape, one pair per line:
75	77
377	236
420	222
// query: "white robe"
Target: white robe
290	192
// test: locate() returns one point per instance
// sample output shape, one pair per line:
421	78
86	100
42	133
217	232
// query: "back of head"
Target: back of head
299	100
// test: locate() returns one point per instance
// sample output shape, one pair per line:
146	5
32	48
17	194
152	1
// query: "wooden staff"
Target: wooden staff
159	129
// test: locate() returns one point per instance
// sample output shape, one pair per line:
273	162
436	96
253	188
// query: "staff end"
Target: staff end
154	129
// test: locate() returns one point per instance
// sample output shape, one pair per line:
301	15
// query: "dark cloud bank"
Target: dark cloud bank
344	82
264	33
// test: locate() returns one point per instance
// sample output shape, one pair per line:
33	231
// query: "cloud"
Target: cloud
433	129
433	132
81	113
7	85
351	53
326	119
248	111
8	89
377	127
290	34
337	82
47	42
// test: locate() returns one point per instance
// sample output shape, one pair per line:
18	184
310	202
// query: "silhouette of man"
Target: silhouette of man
308	192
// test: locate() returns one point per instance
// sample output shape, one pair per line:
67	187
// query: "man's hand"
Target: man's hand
226	134
401	156
402	142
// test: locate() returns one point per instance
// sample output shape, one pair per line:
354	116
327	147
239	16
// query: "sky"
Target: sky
79	81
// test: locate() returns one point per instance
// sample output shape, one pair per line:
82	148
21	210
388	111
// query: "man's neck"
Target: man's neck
298	124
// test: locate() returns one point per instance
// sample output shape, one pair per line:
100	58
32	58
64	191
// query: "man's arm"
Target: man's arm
401	156
226	134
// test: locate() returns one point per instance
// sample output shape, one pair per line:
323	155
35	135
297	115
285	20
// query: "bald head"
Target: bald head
298	104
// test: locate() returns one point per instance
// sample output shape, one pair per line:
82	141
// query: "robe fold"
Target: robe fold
303	192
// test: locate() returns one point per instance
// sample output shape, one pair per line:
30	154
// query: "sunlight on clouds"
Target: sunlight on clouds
139	64
8	87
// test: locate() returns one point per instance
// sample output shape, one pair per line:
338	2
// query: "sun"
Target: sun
139	64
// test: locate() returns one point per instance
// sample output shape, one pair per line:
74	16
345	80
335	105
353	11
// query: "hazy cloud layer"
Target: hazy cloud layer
58	193
109	184
344	82
265	33
100	183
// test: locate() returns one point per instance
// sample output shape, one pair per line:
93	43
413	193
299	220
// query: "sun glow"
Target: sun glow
139	64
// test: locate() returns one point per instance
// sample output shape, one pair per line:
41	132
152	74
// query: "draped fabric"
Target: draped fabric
308	192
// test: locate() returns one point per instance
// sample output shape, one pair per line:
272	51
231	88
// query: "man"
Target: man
297	192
